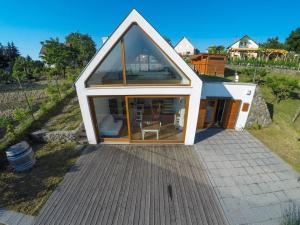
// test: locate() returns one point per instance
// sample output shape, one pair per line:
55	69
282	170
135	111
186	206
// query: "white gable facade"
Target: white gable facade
185	47
137	89
141	98
245	46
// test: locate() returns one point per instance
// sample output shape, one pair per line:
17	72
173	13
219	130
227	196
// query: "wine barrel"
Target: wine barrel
20	156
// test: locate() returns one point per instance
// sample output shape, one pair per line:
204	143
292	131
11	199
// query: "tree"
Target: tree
58	55
293	41
3	58
26	68
216	49
11	52
84	45
20	69
282	87
272	43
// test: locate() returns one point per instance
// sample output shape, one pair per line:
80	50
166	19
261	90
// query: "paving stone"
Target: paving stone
254	185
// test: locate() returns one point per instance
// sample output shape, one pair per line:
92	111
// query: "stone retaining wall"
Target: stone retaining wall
259	112
60	135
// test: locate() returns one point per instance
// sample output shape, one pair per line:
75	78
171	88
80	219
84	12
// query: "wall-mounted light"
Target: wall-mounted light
236	77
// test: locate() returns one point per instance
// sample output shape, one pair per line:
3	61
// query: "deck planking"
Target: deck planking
134	184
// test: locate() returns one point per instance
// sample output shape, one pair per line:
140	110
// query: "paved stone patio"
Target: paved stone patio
9	217
253	184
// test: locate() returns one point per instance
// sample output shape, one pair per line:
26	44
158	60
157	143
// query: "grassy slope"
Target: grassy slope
68	118
283	136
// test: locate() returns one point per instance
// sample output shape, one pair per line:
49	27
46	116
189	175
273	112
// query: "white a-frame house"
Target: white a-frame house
137	89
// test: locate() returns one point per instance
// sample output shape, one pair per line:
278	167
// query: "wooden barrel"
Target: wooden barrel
20	156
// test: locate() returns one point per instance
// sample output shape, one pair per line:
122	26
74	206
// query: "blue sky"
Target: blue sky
205	23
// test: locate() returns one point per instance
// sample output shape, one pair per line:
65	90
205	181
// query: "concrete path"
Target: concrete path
9	217
253	184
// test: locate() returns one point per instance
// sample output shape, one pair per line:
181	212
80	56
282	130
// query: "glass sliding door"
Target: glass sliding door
110	117
157	118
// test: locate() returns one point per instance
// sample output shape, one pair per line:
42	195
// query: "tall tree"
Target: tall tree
26	68
84	45
3	58
58	54
272	43
21	69
293	41
216	49
11	52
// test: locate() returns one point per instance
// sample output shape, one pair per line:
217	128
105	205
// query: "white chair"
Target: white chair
150	129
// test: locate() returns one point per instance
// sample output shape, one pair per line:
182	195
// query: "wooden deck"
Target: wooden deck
134	184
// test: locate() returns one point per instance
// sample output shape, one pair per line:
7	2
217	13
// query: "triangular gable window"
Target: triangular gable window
144	63
110	70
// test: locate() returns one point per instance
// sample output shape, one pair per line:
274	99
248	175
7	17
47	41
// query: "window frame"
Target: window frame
124	83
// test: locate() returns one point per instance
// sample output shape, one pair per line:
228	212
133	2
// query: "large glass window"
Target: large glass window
111	120
157	118
110	70
144	63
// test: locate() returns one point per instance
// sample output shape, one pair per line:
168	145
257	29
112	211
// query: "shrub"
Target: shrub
20	114
4	121
282	87
72	74
260	76
43	107
10	131
247	71
256	126
53	92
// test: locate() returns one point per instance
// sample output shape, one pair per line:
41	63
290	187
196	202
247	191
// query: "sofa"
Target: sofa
108	126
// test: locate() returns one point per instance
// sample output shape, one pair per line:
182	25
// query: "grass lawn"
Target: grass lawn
282	136
68	118
27	192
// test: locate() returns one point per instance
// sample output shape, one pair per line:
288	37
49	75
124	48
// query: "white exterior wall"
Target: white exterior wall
194	91
194	102
184	47
251	44
237	91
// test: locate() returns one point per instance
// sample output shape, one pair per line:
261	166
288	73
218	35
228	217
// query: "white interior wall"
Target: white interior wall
241	91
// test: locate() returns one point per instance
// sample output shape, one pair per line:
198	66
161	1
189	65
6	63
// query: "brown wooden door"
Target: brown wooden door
201	115
231	111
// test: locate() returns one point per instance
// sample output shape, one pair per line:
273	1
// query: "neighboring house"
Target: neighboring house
184	47
243	48
137	89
